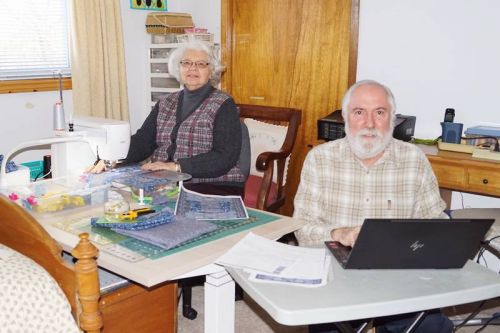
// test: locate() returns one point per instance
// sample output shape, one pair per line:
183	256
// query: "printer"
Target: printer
331	127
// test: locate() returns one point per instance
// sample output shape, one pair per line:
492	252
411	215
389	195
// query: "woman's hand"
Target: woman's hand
346	236
153	166
97	168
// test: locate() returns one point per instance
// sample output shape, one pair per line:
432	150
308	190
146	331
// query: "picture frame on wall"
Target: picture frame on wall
159	5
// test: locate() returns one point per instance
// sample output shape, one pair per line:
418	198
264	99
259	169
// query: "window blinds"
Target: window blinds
34	39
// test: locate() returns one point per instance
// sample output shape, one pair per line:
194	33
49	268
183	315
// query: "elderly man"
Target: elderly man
367	174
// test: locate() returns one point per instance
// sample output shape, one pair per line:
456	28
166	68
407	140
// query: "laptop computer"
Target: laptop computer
412	243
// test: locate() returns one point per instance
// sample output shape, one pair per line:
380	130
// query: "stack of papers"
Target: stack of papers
272	262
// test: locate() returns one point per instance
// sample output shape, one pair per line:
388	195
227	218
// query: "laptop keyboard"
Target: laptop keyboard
339	251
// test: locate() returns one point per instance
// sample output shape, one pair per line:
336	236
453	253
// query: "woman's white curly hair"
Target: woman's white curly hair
216	68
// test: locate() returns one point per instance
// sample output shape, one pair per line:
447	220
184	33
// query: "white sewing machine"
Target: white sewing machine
72	152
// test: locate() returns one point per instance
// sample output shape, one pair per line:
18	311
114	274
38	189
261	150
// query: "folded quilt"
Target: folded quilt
167	236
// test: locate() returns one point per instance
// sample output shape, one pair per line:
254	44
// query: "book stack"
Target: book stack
483	136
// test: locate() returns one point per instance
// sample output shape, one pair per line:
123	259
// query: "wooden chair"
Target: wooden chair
273	131
265	186
132	308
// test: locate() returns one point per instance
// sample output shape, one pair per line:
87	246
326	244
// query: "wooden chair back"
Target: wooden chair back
267	160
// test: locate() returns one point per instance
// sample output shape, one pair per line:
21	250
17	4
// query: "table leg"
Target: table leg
346	327
418	319
446	195
219	303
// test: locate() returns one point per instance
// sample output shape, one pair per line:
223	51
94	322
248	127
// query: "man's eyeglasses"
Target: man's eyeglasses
197	64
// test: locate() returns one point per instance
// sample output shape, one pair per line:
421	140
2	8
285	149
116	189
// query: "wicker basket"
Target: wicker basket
184	38
167	23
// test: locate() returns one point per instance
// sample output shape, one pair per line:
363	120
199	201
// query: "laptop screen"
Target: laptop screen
417	243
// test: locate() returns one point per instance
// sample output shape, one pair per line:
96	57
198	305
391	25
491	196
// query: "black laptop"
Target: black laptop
412	243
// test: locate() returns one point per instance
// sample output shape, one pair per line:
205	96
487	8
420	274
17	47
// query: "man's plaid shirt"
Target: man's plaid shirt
337	190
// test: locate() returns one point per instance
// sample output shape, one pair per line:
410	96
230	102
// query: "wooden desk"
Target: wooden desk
461	172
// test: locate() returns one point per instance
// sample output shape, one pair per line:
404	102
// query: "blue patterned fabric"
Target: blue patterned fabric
97	179
151	181
144	222
10	166
167	236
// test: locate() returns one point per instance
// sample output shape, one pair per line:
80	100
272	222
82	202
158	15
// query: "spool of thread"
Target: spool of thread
47	166
59	122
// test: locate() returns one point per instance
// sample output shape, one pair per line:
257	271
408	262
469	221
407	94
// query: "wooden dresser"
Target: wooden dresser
461	172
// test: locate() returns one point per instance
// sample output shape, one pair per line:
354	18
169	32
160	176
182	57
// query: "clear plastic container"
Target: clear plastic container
58	194
164	82
115	205
155	187
163	39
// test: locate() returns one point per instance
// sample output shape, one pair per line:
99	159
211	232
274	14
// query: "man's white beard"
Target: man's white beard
364	148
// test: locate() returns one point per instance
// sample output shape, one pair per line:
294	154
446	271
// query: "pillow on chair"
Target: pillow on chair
252	187
263	137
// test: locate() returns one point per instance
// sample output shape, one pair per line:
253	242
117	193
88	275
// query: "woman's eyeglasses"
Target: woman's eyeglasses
197	64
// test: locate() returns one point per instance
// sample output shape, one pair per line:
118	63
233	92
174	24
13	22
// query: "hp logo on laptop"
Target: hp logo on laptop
416	245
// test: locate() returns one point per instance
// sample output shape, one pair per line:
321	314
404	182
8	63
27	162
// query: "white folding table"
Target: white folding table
365	294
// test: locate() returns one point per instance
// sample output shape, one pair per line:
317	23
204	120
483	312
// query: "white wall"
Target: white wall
435	55
28	116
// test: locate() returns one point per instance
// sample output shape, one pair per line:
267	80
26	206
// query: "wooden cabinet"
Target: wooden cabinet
450	175
137	309
484	180
461	172
290	53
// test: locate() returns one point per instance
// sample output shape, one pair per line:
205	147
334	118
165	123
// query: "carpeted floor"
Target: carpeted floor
251	318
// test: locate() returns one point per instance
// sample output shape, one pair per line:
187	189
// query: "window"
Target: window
34	35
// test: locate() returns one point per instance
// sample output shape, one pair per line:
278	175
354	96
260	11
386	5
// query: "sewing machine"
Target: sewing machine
73	152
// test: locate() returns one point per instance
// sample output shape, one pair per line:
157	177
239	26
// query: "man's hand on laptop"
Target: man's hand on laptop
346	236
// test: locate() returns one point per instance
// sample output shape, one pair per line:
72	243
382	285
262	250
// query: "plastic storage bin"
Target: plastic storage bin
204	37
56	195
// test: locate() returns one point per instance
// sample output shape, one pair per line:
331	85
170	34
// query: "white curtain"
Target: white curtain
98	61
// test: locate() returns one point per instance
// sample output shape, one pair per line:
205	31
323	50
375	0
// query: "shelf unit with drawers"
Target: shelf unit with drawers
160	80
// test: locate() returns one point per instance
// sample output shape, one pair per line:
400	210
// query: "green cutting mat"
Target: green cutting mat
224	228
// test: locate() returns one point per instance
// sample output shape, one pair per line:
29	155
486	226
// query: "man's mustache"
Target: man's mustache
370	132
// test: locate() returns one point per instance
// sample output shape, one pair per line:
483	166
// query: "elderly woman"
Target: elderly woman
196	130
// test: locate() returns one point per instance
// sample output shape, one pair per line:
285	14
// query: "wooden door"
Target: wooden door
292	53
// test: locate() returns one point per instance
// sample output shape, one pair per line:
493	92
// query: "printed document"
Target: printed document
273	262
209	207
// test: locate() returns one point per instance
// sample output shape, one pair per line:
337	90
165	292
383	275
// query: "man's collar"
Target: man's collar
389	155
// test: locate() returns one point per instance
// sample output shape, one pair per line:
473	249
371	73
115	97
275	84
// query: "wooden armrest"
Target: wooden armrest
265	159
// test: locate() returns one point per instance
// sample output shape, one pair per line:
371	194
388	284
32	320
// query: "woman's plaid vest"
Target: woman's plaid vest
195	135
